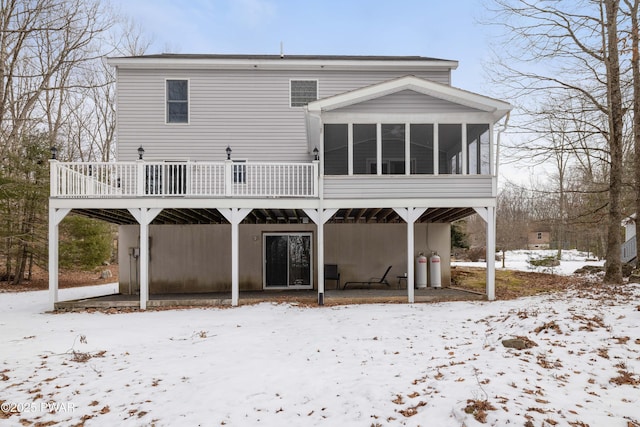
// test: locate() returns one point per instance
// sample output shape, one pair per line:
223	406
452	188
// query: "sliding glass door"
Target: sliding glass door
287	261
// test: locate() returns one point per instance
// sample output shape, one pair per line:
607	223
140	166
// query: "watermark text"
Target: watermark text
25	407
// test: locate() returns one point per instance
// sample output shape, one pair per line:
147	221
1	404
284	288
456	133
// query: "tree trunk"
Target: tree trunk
21	264
561	204
635	67
613	269
30	271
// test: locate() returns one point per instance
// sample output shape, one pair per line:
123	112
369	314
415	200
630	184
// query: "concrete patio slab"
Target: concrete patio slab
307	297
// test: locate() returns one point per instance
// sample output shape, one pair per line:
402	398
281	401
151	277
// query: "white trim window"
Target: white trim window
177	100
302	92
239	171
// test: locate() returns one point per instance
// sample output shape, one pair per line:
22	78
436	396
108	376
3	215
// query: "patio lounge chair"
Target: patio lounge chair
373	280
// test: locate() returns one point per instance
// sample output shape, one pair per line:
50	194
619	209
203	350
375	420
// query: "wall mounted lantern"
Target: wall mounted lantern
315	154
228	150
140	152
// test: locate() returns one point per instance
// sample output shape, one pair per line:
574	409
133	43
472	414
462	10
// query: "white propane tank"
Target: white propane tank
434	266
421	271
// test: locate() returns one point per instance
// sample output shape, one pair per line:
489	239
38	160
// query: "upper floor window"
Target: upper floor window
303	92
479	149
177	101
450	149
336	149
406	148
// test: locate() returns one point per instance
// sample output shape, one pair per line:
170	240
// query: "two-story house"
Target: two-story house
250	172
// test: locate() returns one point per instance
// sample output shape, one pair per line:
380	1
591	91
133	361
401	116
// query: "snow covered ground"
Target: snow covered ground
438	364
519	260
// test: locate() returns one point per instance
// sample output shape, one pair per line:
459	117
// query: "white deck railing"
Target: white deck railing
188	179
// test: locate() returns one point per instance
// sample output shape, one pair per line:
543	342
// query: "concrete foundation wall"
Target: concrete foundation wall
197	258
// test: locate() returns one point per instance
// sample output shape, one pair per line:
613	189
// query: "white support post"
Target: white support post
320	258
379	148
407	148
488	214
491	253
228	178
53	177
235	217
235	264
144	216
316	177
140	178
410	215
464	146
144	262
53	259
55	216
319	217
350	149
411	293
492	152
436	148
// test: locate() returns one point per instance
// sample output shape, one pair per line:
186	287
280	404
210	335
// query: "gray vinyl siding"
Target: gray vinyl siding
245	109
414	186
407	101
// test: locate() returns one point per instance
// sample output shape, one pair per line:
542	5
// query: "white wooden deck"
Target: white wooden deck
261	180
188	179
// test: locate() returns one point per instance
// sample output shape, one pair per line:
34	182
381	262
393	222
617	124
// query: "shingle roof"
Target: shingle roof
291	57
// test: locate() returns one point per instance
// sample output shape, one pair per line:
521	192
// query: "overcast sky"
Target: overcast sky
433	28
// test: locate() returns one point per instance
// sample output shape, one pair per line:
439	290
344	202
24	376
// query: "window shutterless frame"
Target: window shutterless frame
177	103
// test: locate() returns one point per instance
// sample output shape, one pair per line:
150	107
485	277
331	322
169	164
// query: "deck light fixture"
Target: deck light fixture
228	150
315	154
140	152
54	152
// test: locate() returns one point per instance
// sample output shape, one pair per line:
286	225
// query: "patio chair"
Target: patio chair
373	280
331	273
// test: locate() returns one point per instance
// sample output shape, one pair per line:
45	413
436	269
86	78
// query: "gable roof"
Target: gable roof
438	90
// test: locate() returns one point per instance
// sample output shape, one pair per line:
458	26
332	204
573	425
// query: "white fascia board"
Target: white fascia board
438	90
442	118
403	203
185	203
280	64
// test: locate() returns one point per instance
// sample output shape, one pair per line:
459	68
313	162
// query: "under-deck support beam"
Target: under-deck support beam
488	214
55	217
235	217
319	217
144	216
410	215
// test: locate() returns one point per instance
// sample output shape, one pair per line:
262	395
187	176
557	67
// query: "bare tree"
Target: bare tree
513	214
570	50
632	11
92	125
55	89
